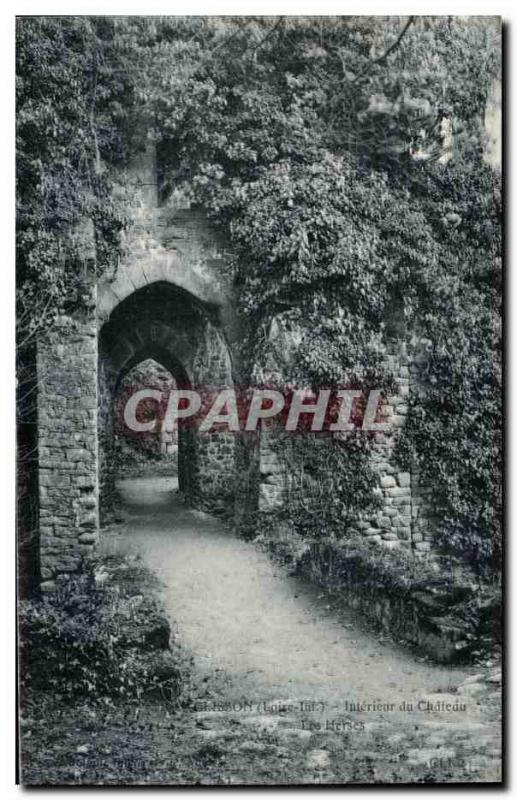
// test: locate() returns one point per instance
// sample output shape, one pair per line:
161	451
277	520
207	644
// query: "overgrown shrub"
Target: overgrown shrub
101	634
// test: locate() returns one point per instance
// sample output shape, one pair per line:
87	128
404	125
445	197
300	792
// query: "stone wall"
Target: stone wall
169	242
156	448
212	372
440	612
171	300
106	381
391	526
403	518
67	446
272	477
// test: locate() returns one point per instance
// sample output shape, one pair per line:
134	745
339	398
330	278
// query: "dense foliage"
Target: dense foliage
344	159
75	121
321	145
455	430
100	634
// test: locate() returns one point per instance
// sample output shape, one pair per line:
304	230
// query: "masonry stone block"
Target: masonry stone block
388	482
423	546
391	544
67	365
399	493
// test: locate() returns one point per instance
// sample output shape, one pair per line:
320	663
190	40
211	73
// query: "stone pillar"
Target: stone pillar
214	449
105	437
272	476
391	526
247	478
67	445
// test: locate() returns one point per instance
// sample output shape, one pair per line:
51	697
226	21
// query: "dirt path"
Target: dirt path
270	641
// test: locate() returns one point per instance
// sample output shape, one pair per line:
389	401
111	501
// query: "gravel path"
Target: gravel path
274	640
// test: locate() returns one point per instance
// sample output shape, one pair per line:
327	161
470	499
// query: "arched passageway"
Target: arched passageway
170	300
155	448
165	323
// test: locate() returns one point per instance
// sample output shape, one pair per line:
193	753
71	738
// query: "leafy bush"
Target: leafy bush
101	634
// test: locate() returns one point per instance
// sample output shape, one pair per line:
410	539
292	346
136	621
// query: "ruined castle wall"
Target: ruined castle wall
173	246
392	524
403	517
216	448
171	243
67	446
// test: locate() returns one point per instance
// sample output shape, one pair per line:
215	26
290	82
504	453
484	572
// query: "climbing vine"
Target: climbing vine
328	484
321	146
76	121
454	431
318	145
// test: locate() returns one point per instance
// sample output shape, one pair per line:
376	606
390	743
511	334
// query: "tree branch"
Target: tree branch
267	36
387	52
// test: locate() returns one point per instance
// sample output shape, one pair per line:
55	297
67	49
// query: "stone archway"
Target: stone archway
153	451
165	322
171	297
